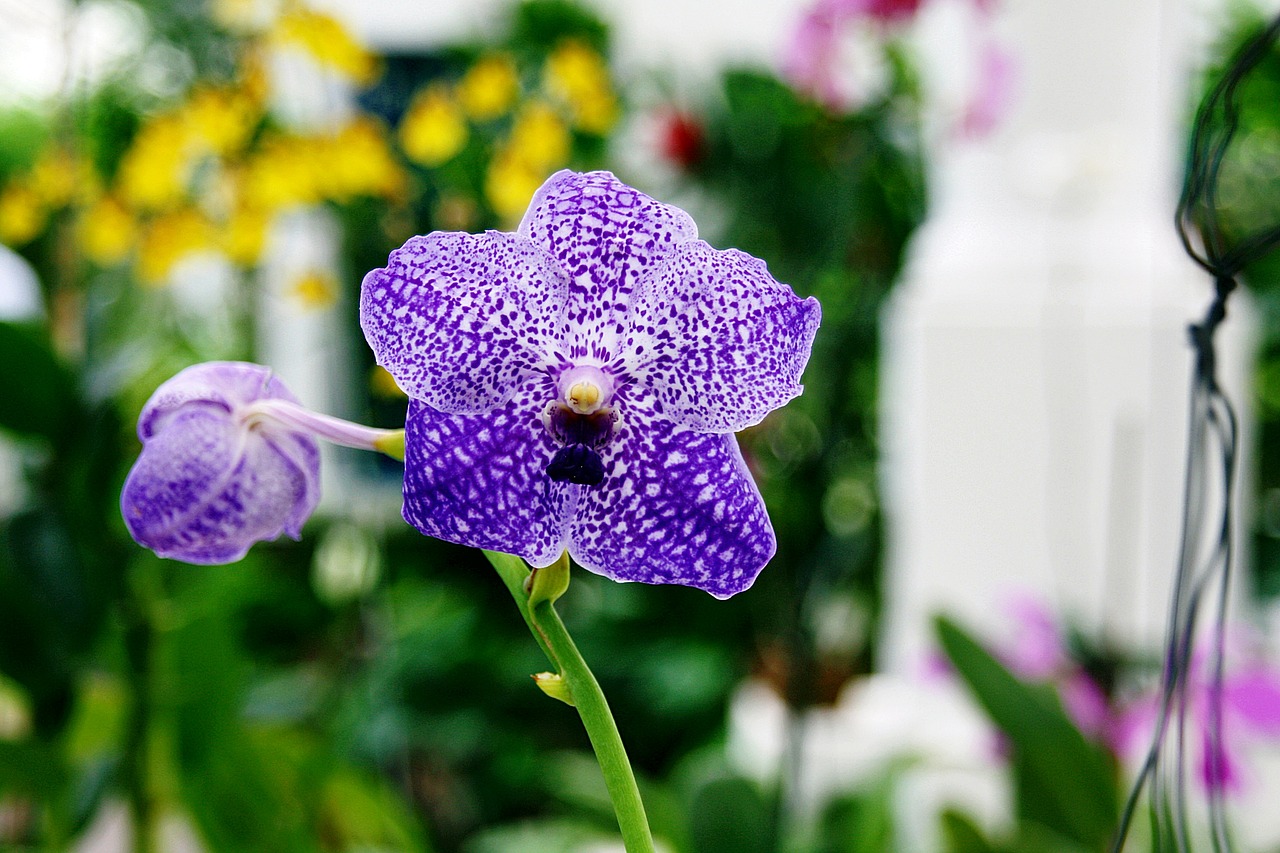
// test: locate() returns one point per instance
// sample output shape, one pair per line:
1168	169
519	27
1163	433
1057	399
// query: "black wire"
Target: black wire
1212	427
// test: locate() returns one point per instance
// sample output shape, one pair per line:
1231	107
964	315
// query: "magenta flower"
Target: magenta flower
1039	651
1250	710
229	458
576	385
813	59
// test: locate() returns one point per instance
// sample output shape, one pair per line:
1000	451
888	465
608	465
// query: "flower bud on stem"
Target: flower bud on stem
576	677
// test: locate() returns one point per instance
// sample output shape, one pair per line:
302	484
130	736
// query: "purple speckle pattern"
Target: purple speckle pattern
208	485
720	342
608	238
676	506
460	320
696	342
480	480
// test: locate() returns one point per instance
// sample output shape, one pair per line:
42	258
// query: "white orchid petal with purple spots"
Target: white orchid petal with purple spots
460	320
618	443
480	479
720	342
211	482
608	238
676	506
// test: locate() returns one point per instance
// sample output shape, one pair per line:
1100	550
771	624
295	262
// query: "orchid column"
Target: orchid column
1037	363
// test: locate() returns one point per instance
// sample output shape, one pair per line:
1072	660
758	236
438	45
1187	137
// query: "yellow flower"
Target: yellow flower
489	87
154	170
383	384
283	171
315	289
245	234
169	238
220	119
539	137
328	42
107	232
510	183
243	16
359	162
22	215
578	76
55	178
434	129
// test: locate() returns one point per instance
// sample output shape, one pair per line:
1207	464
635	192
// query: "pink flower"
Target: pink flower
1250	710
992	94
1039	651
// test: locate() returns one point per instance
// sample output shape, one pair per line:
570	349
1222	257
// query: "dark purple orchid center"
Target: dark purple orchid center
576	463
582	421
582	435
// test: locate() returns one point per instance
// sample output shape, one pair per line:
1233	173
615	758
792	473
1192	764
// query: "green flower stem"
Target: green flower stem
553	637
139	643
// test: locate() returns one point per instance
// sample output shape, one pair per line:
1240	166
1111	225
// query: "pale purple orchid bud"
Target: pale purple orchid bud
221	468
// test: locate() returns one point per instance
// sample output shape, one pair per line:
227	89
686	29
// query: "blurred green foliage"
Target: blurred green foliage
1065	787
1249	206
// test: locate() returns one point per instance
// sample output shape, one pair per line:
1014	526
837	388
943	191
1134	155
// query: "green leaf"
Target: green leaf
961	835
37	393
728	815
1065	783
861	823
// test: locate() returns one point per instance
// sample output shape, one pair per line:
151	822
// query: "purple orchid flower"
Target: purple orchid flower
229	458
576	385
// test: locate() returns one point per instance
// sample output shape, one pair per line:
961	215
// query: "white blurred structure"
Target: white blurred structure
1037	365
19	301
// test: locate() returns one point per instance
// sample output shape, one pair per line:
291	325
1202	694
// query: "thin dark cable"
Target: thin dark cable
1205	555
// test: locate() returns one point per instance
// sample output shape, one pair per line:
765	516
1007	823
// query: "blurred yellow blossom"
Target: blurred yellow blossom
282	171
244	235
107	232
539	143
22	214
434	128
359	162
539	137
510	182
383	384
154	170
245	16
489	87
221	119
315	289
55	178
578	76
168	238
328	42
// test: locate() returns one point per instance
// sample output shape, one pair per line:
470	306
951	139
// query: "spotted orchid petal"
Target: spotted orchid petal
608	238
598	416
676	506
480	480
212	478
462	320
719	341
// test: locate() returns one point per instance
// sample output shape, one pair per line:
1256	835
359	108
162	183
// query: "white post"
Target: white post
1036	366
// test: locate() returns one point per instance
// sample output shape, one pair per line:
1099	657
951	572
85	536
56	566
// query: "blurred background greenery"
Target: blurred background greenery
367	688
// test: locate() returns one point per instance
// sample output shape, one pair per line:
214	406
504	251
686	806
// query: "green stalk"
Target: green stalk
588	698
139	641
